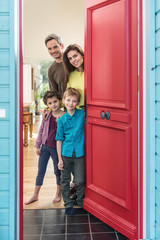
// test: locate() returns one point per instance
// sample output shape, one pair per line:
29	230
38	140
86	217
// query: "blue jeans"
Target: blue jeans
46	153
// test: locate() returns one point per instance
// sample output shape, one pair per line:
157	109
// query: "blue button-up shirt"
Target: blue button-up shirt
70	130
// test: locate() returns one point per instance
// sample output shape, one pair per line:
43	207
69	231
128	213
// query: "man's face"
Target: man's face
54	49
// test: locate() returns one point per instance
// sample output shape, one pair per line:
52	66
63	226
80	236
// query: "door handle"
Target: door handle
105	115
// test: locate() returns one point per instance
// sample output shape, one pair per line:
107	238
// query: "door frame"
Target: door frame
20	84
140	6
20	135
149	118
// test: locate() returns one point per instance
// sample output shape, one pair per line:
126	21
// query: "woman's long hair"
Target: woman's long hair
67	65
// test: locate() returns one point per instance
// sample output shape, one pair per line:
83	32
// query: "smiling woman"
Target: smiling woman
73	59
76	59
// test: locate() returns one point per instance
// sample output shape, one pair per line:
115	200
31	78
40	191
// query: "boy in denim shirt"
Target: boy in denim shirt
70	148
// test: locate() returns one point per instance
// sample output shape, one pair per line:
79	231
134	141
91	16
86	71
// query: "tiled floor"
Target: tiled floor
53	224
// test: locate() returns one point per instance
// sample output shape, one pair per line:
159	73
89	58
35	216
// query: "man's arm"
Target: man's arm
52	83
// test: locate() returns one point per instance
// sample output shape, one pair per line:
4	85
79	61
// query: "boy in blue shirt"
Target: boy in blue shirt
70	148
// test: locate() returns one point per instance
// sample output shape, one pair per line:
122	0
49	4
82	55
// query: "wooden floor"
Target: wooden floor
30	166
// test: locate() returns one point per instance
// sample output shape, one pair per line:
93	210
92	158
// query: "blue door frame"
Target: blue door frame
151	78
7	122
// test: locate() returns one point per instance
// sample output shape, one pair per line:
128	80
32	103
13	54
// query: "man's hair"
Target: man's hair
72	92
50	94
53	36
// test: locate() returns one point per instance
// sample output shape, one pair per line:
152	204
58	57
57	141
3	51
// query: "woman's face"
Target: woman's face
75	58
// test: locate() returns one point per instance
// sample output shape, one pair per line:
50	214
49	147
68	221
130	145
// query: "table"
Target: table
28	109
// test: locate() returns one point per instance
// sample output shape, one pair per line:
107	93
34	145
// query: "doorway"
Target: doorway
56	19
34	42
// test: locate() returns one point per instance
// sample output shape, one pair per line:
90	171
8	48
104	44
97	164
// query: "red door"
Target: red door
111	80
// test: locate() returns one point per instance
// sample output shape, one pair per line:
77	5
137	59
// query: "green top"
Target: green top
76	80
70	130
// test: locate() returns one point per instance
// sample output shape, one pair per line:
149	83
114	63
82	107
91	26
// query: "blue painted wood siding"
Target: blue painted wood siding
157	91
7	124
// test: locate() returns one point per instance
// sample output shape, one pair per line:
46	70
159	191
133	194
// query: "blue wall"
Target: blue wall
7	123
157	117
149	117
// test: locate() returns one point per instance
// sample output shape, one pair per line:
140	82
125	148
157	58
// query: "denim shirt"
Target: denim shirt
70	130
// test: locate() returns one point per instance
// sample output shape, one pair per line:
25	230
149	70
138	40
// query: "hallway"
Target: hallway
44	220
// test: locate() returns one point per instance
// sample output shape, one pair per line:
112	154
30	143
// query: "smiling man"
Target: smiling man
56	74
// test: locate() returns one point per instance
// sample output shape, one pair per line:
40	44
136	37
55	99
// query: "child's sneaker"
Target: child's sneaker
69	211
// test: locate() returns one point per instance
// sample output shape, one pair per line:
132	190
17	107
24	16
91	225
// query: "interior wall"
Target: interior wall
40	18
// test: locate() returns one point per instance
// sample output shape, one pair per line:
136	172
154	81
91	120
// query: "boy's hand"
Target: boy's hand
38	151
60	165
46	113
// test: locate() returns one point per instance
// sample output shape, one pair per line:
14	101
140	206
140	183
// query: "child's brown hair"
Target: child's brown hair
50	94
72	92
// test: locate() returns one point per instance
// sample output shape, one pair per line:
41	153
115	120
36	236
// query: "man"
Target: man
56	74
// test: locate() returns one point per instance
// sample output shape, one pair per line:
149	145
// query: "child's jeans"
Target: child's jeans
46	153
77	164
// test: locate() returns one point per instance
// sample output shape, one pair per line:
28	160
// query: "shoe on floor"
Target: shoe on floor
69	211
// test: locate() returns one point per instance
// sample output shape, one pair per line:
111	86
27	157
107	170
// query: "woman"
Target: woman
73	59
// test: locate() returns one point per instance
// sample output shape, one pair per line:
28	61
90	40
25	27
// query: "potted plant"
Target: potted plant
36	97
